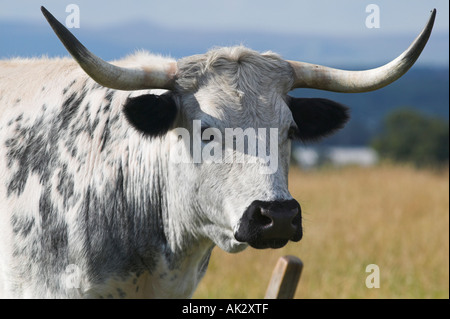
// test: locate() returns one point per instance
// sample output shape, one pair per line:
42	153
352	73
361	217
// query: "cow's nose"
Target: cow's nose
270	224
278	221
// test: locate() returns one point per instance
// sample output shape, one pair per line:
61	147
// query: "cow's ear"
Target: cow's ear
151	114
317	118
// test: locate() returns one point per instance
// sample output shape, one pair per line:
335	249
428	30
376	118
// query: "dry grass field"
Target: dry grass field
396	217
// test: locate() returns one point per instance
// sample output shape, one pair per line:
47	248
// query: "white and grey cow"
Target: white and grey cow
91	204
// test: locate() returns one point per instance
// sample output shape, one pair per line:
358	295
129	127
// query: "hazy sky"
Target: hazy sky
330	17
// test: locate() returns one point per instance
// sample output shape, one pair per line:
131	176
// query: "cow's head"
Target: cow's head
241	189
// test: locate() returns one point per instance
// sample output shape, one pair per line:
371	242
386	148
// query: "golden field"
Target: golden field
396	217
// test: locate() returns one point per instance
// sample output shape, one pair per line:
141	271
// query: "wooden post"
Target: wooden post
285	277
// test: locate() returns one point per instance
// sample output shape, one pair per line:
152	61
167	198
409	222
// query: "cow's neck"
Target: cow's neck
173	257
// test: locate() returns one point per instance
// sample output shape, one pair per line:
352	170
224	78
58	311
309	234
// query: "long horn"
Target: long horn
109	75
308	75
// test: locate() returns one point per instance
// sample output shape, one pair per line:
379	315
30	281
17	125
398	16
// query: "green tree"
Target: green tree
409	136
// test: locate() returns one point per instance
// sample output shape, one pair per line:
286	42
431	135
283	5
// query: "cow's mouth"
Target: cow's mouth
270	224
273	243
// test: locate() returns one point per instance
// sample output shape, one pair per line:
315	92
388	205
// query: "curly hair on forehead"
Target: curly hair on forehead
238	65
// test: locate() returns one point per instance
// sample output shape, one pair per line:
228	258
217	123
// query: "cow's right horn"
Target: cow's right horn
109	75
320	77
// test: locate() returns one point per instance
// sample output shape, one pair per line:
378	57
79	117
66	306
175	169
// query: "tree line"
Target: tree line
408	135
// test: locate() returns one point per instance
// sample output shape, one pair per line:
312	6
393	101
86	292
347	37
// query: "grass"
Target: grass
396	217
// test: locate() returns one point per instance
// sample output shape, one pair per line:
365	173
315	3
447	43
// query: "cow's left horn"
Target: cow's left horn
109	75
308	75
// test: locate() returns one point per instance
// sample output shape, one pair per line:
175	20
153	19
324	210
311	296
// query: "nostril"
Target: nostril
296	219
261	218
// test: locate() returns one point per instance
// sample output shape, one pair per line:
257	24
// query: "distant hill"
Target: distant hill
19	39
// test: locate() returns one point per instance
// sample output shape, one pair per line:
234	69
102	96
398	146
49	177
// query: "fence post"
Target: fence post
285	277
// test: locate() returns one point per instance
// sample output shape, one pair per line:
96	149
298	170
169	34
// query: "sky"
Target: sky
330	17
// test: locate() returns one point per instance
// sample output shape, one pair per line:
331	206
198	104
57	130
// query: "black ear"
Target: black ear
317	118
151	114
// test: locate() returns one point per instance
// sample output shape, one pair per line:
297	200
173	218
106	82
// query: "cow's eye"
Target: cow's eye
292	133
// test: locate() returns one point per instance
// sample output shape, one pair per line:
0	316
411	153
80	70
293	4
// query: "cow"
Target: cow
93	203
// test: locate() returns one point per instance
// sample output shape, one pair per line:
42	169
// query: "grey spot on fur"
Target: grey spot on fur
65	185
69	86
22	225
121	293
